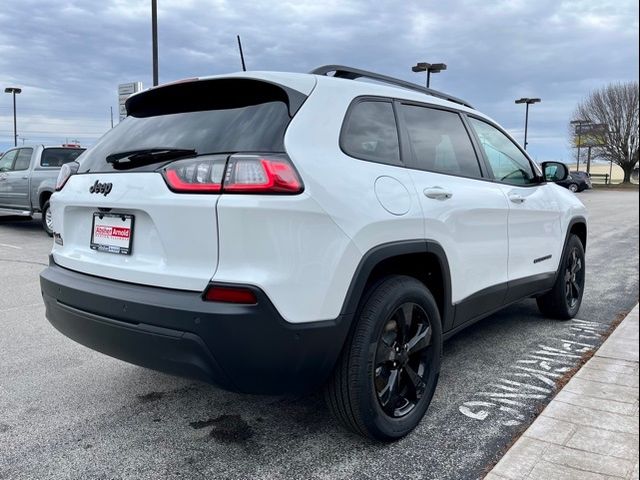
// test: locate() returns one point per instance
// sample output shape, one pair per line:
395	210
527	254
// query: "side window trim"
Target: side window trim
406	149
487	172
411	161
345	122
492	177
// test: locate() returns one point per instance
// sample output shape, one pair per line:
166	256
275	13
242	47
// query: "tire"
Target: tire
562	303
358	392
573	187
46	219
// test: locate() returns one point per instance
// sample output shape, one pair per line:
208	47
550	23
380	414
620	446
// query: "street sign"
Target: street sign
125	90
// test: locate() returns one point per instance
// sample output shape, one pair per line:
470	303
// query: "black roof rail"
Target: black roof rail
341	71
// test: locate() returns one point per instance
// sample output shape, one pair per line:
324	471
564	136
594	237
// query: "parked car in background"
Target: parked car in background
577	181
28	177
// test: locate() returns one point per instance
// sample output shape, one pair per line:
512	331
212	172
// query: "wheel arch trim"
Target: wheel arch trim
578	220
386	251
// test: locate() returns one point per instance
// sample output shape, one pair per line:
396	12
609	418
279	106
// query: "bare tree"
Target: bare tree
617	106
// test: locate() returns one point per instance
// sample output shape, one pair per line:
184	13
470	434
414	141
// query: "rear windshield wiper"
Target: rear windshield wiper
146	156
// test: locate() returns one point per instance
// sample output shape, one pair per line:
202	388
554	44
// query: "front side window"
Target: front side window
6	161
370	133
23	159
507	161
440	141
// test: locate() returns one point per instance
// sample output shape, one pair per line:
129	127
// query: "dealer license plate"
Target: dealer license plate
112	233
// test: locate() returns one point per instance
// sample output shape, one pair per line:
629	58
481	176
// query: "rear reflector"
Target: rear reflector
242	173
216	293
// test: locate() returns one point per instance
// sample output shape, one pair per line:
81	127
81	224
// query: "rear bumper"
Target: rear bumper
242	348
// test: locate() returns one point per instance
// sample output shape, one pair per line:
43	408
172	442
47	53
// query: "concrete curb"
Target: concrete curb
590	429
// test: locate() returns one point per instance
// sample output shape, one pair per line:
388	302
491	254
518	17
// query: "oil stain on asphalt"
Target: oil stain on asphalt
150	397
226	428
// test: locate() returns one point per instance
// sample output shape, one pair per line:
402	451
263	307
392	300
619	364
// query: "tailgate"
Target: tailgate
174	237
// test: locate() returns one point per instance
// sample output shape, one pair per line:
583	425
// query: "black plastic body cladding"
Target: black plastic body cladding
246	348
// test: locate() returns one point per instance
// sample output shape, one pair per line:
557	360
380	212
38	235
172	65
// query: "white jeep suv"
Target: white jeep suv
276	232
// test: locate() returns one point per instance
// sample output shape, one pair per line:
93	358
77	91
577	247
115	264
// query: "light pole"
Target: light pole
154	39
527	101
14	91
429	68
579	124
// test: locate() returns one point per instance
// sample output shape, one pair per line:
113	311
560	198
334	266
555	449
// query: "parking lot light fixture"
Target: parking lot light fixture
429	68
527	102
14	91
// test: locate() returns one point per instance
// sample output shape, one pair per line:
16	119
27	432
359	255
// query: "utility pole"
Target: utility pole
111	108
154	39
14	91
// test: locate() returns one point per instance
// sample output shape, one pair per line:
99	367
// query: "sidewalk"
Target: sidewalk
590	429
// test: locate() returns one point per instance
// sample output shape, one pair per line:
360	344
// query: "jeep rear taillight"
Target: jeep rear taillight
240	173
196	175
65	173
261	174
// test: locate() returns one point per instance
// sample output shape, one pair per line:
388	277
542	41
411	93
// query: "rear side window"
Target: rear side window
440	141
370	132
508	163
23	160
217	116
56	157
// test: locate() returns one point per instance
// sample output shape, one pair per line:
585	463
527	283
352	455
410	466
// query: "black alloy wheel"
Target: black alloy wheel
564	299
387	373
573	278
402	360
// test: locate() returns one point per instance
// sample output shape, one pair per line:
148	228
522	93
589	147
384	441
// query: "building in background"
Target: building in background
125	90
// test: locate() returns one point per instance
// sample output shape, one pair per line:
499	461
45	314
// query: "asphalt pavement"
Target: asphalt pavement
69	412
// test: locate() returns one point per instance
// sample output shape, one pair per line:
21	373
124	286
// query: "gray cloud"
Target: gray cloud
70	56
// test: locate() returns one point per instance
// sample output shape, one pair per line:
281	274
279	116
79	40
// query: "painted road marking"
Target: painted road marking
537	374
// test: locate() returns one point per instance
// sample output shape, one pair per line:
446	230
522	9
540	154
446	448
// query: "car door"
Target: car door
463	211
535	236
6	166
16	183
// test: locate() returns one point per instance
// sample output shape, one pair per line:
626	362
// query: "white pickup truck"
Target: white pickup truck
28	178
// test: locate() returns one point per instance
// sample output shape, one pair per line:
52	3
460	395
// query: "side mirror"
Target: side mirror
554	171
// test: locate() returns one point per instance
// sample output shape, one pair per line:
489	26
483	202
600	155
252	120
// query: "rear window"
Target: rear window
218	116
370	132
56	157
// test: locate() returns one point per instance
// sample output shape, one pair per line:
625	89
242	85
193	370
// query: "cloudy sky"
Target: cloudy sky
69	56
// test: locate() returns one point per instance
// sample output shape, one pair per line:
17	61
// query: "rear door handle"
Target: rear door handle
437	193
516	198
